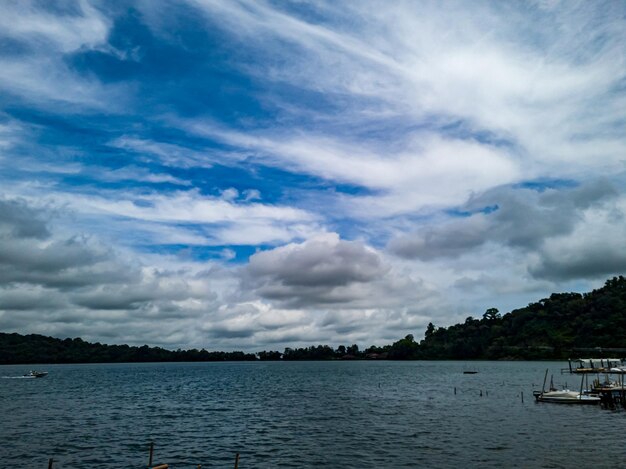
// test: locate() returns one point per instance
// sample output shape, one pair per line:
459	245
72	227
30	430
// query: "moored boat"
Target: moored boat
566	396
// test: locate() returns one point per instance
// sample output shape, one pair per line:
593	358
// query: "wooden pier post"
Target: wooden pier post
237	461
50	461
151	454
522	396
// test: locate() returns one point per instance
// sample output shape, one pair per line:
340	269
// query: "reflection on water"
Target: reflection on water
299	414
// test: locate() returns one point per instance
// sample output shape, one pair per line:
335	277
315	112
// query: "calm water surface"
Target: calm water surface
300	414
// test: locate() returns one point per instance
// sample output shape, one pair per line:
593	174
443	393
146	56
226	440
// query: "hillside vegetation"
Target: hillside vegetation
555	327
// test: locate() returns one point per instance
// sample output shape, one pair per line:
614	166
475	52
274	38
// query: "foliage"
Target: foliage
16	348
555	327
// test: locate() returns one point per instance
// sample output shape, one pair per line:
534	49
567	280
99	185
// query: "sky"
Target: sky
255	175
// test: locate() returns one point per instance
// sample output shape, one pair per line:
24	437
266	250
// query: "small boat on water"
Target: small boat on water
36	374
565	396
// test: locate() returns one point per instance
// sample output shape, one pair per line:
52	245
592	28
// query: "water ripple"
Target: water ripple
305	415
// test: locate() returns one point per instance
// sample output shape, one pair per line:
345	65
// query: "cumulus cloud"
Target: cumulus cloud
81	281
323	269
29	254
590	261
595	248
19	220
319	290
340	289
513	216
566	233
322	261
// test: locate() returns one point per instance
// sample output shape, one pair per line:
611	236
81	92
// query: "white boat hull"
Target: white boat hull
567	397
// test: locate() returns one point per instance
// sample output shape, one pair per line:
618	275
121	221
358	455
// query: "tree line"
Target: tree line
552	328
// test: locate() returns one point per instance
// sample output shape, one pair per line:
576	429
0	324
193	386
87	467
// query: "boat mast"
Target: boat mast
543	388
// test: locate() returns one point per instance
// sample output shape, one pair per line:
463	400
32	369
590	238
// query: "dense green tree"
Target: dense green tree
491	314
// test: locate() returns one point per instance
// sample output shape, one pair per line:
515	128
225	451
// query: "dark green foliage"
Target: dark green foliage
554	327
404	349
320	352
271	355
16	348
491	314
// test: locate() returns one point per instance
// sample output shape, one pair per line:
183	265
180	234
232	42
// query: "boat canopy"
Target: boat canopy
598	362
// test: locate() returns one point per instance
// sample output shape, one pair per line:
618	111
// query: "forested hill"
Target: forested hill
564	325
555	327
33	348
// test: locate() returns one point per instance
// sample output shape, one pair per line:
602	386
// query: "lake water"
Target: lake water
360	414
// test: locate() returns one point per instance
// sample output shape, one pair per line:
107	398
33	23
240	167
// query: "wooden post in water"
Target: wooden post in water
455	390
522	397
151	454
50	461
237	461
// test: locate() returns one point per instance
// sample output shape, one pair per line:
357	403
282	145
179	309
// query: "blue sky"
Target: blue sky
249	175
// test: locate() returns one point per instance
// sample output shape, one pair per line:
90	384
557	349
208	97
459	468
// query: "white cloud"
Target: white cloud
430	112
186	217
428	171
134	173
192	207
59	286
594	249
168	154
83	27
40	73
485	103
326	273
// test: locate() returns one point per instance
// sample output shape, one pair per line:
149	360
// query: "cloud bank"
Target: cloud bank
245	175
